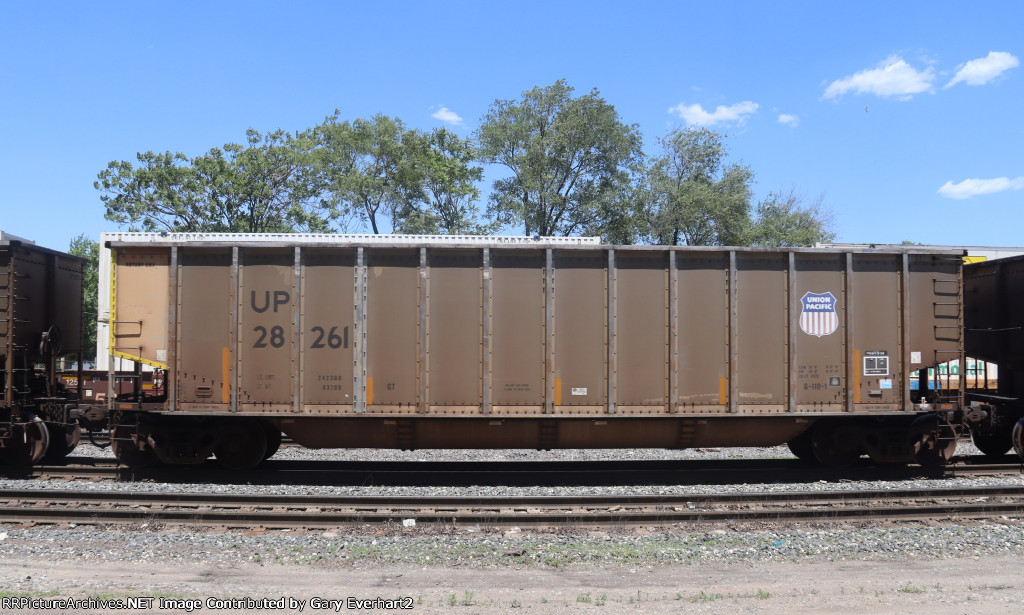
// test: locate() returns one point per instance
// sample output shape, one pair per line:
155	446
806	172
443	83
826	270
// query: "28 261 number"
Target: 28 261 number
324	338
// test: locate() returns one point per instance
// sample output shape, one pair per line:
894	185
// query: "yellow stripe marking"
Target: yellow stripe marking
369	390
558	391
723	386
137	358
111	343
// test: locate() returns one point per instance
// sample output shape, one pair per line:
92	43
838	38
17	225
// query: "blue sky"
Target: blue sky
905	116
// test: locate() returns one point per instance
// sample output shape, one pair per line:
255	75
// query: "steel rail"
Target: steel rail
140	498
312	511
688	471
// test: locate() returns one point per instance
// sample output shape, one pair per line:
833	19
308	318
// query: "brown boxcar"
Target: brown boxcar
40	320
528	344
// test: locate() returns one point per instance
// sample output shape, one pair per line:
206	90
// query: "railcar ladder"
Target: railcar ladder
18	372
947	306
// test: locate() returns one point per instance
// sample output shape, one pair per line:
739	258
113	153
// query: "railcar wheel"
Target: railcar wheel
1018	438
242	444
28	442
836	445
802	447
61	447
129	450
994	443
936	442
273	440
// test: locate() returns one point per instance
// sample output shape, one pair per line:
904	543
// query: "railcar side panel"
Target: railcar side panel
580	332
760	340
66	298
517	332
266	329
140	328
391	337
455	331
207	360
819	337
641	332
328	338
702	332
875	300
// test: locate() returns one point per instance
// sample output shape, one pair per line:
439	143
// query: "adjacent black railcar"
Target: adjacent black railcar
994	332
40	322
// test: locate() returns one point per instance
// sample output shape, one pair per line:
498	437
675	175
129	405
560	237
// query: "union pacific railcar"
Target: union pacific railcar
40	321
343	341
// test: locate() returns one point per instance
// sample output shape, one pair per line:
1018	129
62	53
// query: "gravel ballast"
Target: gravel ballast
446	546
490	547
943	566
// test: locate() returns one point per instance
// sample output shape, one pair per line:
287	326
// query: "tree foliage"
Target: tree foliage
262	186
446	170
695	198
571	160
574	168
90	250
392	178
781	222
365	169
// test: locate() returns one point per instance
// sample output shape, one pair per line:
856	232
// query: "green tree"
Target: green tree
694	197
366	170
571	160
90	250
262	186
162	192
781	221
444	164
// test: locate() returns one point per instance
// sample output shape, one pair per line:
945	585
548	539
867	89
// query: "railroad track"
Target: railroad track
385	473
62	507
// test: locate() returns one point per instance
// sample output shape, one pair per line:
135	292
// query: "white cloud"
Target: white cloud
974	187
447	116
892	77
696	115
789	120
983	70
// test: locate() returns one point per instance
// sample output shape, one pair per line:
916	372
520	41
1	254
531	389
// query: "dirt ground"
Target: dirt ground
952	586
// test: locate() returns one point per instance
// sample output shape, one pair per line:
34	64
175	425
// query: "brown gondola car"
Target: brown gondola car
501	343
40	321
994	323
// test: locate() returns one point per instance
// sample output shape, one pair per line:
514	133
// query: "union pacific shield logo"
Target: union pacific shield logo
818	314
